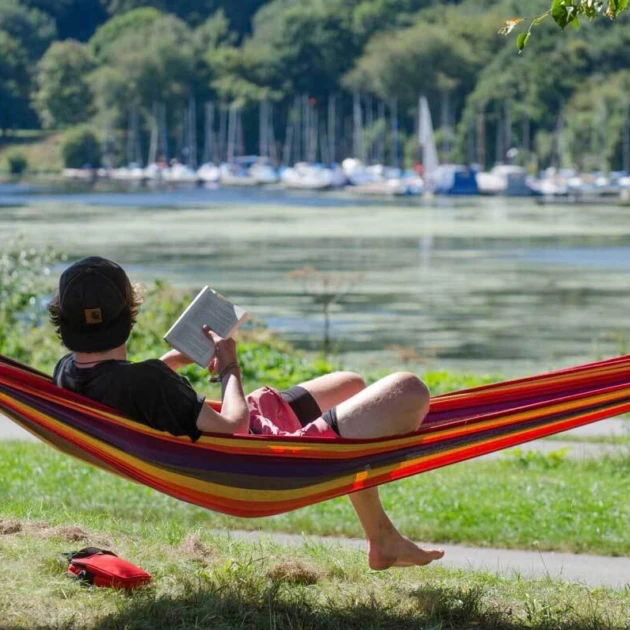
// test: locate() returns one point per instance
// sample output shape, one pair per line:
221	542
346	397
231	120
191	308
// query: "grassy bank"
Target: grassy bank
41	149
525	501
203	581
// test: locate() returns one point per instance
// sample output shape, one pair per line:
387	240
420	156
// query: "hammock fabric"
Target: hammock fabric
252	476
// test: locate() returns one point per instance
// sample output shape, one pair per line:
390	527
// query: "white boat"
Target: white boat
235	175
264	172
426	144
80	174
156	172
131	173
180	174
306	176
209	173
506	179
380	180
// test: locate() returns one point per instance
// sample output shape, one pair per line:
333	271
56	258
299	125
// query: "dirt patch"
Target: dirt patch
69	533
10	527
193	547
294	572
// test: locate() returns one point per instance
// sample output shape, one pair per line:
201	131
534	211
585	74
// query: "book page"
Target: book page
210	309
222	316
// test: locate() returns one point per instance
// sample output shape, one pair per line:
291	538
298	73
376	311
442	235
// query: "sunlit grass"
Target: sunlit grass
529	501
206	580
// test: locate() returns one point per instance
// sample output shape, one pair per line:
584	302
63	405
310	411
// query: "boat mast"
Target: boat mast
240	144
481	136
208	136
470	135
393	109
332	128
231	137
445	121
153	143
370	127
525	144
223	132
507	106
603	112
358	127
262	129
626	136
192	132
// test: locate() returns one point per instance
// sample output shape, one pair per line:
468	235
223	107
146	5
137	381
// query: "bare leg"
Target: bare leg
396	404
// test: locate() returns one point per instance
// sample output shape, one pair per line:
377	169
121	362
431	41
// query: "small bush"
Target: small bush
80	147
16	163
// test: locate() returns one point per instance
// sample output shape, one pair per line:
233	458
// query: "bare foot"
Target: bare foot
398	551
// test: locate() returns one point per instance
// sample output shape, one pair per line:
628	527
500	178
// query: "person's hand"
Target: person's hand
225	351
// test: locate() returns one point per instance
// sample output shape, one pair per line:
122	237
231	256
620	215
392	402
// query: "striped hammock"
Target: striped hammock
252	476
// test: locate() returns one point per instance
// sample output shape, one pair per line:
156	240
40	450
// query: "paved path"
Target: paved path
585	569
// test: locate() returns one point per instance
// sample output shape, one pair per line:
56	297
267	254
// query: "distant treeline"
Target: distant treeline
149	65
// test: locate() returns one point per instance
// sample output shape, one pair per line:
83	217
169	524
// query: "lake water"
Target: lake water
475	284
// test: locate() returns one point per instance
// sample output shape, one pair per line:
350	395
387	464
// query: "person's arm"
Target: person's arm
234	415
175	359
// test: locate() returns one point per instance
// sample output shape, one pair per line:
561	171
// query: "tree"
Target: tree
596	123
34	29
63	97
119	26
14	84
194	12
81	147
152	63
74	19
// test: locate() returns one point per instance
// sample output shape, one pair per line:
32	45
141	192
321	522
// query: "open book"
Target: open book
208	308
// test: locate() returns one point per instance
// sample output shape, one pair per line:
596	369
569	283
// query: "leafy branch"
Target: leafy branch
563	13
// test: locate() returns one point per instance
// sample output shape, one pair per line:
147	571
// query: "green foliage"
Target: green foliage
80	146
34	29
25	283
165	51
14	82
152	61
537	460
74	19
63	98
118	27
16	162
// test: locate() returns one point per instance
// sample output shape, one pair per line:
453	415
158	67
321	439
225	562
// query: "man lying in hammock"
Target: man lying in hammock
94	312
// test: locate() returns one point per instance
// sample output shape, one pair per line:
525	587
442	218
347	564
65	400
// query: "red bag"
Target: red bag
104	568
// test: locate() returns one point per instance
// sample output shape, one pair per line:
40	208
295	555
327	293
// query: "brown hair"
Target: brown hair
134	301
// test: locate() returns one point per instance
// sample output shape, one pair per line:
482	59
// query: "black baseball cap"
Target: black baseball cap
94	305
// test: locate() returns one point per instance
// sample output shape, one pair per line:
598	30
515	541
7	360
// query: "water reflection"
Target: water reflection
478	284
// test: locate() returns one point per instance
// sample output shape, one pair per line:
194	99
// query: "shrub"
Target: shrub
80	147
16	163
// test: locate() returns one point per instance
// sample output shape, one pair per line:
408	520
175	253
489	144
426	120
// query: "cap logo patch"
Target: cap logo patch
93	316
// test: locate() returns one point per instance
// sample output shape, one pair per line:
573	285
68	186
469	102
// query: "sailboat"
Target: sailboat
446	179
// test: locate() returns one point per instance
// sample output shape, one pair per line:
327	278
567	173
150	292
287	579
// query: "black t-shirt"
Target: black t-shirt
148	392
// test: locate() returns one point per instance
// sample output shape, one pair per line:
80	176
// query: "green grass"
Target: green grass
42	150
615	440
527	501
204	580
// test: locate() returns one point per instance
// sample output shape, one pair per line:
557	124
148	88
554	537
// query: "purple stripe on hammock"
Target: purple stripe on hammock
152	450
436	418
